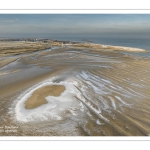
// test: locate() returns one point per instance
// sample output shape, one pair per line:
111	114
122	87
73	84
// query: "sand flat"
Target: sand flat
107	47
38	97
7	61
114	89
8	48
19	47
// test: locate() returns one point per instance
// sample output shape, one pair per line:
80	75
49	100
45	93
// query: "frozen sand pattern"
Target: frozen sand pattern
54	105
38	97
106	93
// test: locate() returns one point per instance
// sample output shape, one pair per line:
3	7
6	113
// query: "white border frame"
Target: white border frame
74	11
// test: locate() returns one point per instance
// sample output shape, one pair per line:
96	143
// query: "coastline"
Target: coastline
21	47
109	47
17	48
107	83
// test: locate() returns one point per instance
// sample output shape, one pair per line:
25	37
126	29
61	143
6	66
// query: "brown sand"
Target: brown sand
107	47
38	97
18	47
130	77
6	61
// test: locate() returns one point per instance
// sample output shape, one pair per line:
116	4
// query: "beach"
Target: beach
38	97
57	88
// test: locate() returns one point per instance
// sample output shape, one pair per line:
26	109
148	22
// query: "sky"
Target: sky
73	25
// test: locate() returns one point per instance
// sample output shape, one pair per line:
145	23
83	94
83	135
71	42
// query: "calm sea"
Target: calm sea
136	42
143	43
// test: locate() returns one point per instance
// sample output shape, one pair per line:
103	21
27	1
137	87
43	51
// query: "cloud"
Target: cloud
74	24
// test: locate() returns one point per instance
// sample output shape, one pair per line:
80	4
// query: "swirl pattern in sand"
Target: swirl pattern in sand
104	93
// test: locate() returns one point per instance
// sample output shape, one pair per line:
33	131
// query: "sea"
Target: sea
136	42
106	93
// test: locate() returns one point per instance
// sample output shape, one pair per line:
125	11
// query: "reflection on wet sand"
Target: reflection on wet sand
84	92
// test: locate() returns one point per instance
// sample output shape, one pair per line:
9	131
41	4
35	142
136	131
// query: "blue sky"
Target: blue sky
49	25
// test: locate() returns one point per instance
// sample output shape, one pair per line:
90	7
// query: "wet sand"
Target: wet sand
107	47
107	93
38	97
4	62
21	47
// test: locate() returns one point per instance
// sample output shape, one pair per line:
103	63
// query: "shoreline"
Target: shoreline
109	47
8	48
89	75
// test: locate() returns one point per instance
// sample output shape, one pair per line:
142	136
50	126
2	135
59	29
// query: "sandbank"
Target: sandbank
38	97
